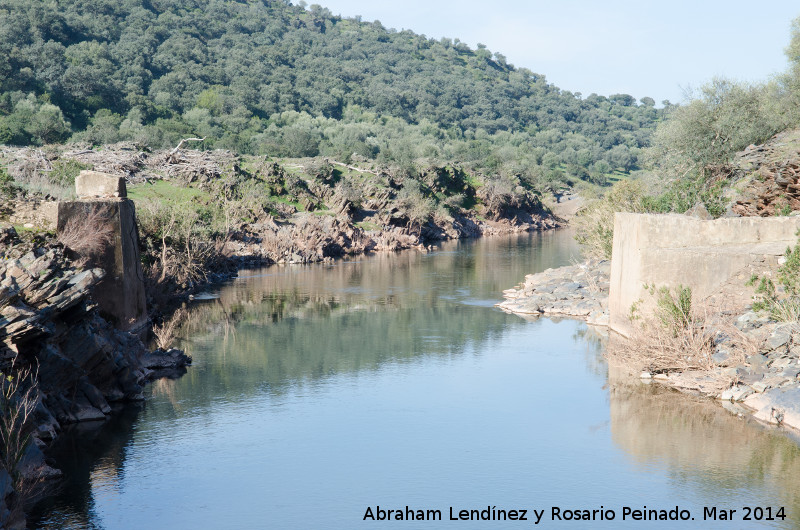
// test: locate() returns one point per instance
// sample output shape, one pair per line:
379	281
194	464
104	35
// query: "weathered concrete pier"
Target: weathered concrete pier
121	293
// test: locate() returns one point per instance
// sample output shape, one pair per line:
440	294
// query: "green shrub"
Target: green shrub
682	194
725	118
594	224
674	309
7	185
785	306
65	170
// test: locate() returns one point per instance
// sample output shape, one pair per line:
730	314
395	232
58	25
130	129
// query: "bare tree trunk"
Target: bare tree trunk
164	235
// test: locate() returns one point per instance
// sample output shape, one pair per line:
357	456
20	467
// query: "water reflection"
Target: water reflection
306	380
718	453
92	457
277	327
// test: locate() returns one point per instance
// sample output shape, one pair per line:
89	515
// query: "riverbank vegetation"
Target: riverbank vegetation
19	396
701	154
202	214
782	302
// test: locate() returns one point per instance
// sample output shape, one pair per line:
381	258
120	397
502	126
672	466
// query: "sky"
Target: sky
661	50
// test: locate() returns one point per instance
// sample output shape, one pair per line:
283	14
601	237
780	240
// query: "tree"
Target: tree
725	118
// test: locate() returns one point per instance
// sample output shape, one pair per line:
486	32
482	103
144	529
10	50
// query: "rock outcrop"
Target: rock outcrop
49	322
78	362
579	290
766	177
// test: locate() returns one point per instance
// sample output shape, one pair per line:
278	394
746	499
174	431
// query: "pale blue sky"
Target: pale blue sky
641	48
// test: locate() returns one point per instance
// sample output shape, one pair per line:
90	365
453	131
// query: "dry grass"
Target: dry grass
655	348
165	333
594	223
787	310
19	394
658	347
89	236
739	344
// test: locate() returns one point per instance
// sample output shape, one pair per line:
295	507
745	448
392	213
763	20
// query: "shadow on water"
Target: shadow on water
92	457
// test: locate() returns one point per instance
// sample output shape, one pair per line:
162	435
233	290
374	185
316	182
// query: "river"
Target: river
320	393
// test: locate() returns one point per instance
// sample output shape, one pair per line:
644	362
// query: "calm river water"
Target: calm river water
319	392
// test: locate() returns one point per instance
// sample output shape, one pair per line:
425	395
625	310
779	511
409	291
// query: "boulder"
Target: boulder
166	363
699	211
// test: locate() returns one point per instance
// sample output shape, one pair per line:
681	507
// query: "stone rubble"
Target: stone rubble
766	177
579	290
767	383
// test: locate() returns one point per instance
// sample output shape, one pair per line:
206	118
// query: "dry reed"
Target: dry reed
165	333
88	236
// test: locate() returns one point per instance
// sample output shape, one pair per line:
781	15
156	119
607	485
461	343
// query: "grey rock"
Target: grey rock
47	425
8	235
171	358
757	362
564	291
84	411
721	356
171	363
779	337
32	464
780	363
745	321
699	211
751	378
94	396
783	404
790	372
736	393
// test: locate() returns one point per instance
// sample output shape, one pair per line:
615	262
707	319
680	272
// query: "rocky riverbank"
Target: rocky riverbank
64	362
756	364
579	290
753	365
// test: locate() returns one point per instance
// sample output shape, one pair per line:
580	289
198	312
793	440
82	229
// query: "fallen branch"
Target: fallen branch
171	156
186	140
354	168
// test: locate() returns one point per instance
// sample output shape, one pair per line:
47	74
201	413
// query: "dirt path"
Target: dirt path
568	207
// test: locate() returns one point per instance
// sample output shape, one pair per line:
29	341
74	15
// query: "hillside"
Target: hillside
267	77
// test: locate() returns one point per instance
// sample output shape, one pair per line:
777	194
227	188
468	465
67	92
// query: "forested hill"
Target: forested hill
261	76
